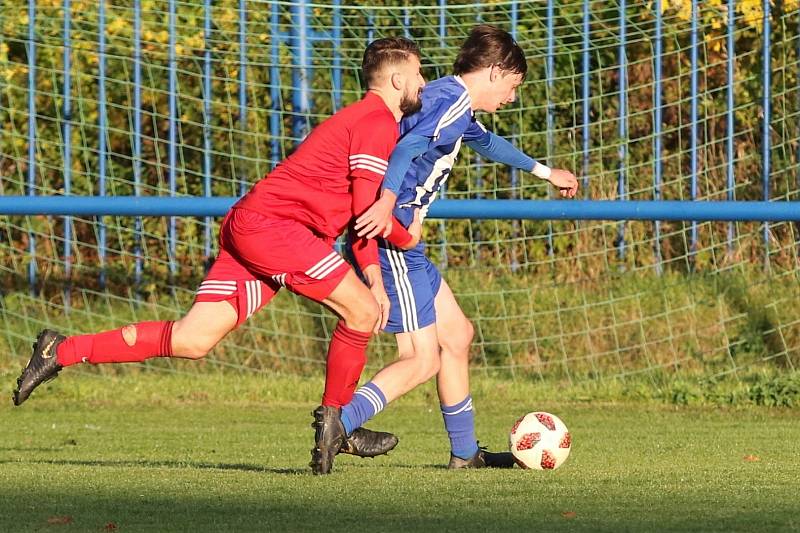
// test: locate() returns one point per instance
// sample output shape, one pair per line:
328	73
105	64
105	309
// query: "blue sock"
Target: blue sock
367	402
459	421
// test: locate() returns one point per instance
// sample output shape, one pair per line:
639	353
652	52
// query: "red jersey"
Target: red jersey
315	184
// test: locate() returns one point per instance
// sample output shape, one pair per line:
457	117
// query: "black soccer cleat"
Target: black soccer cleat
43	365
482	459
329	438
365	443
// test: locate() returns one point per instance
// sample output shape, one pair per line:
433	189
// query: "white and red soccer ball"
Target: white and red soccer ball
540	441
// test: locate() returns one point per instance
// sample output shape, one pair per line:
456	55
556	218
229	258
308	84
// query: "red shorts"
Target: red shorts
259	255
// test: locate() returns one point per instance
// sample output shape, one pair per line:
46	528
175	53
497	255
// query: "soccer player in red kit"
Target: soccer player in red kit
281	234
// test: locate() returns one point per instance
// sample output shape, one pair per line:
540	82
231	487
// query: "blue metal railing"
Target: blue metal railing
442	209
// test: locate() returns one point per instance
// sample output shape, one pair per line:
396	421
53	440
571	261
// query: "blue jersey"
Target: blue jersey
446	118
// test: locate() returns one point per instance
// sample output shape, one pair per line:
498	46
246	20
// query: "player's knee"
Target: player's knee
129	334
431	369
427	366
188	344
460	341
364	316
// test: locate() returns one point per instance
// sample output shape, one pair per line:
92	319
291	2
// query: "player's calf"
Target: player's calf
42	366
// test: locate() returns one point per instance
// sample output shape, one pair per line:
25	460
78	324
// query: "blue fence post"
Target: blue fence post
137	139
443	22
173	112
586	95
301	37
623	125
336	75
67	136
443	190
730	183
102	126
693	99
275	84
657	163
550	120
207	125
32	136
766	84
242	93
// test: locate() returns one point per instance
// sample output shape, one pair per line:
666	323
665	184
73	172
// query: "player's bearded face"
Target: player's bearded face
411	101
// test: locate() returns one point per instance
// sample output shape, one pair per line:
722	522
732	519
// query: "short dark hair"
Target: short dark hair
389	50
488	45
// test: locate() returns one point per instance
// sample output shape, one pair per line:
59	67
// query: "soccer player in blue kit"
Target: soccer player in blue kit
433	334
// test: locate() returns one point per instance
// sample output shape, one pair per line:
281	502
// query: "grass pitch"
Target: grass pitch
153	453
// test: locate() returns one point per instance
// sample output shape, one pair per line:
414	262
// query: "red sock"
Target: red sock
153	339
347	355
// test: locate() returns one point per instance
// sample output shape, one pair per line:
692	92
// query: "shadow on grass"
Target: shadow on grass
241	467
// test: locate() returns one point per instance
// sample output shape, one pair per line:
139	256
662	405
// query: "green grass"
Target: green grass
211	454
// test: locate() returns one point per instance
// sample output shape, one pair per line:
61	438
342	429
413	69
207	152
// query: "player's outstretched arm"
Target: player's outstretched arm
375	220
499	149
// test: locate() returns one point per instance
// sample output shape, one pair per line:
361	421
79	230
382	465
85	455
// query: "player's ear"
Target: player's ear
397	81
493	73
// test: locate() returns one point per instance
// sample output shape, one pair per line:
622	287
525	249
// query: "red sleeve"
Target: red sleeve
365	251
371	142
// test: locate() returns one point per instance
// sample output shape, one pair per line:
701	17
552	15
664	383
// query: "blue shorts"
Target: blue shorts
411	283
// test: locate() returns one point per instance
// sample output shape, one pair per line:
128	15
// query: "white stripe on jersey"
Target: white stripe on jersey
439	174
457	115
376	170
452	113
454	106
369	158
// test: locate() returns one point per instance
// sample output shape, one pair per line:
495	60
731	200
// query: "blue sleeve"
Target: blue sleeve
498	149
409	147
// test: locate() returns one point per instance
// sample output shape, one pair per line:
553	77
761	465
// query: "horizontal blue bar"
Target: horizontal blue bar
466	209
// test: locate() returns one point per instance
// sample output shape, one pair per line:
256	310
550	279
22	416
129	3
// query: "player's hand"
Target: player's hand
374	278
383	303
376	220
415	229
566	182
